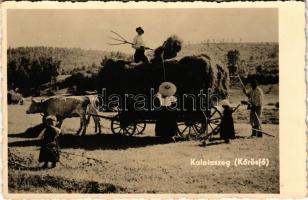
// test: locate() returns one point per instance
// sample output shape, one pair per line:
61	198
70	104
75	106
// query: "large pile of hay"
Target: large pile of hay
168	49
214	75
190	75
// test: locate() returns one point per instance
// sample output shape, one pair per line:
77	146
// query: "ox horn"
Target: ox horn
34	100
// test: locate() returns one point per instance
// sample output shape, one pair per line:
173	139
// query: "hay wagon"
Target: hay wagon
191	75
192	125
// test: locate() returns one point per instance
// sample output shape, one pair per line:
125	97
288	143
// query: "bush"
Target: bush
80	82
233	59
29	73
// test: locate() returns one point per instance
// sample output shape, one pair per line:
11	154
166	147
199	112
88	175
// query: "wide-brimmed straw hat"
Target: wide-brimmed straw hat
225	103
139	29
167	89
51	118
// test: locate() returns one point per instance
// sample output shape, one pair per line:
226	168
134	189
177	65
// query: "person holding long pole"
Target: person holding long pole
256	99
139	46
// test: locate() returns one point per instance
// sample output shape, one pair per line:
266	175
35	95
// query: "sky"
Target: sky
90	29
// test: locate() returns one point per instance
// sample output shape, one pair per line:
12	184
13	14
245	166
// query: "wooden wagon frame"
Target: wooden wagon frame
203	127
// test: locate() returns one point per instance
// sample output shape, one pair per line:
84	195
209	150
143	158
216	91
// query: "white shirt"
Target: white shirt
166	101
138	42
256	96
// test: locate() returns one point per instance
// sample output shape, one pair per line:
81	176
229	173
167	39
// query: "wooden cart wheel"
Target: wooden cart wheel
140	127
191	130
213	121
119	129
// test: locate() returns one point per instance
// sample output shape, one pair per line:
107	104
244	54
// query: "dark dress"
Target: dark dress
227	125
49	147
166	124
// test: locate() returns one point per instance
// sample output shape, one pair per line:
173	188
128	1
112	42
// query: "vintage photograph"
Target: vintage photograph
143	101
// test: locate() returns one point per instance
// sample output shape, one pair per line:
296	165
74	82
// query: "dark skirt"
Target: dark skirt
49	152
227	126
166	124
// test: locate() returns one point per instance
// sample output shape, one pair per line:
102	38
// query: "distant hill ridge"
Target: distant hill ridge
71	58
252	54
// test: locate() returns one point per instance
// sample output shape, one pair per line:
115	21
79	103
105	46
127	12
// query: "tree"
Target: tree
233	58
28	73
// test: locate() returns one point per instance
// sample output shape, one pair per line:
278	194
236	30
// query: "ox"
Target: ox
67	107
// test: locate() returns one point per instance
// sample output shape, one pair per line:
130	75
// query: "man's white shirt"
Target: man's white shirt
138	42
256	96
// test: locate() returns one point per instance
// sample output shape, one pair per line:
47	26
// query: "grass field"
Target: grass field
145	164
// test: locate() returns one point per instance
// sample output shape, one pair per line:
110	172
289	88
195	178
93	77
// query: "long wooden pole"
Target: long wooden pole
255	112
263	132
243	86
261	126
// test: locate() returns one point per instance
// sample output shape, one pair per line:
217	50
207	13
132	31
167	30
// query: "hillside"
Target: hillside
71	58
252	55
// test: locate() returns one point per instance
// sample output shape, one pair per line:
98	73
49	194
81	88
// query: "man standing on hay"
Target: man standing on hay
139	45
256	99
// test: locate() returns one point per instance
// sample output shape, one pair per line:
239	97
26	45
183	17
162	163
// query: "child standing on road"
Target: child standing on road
49	145
227	124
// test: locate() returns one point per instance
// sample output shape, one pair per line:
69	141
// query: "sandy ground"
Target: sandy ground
143	164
